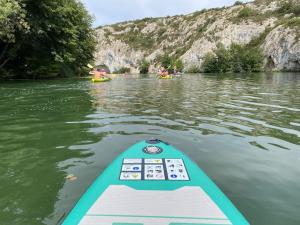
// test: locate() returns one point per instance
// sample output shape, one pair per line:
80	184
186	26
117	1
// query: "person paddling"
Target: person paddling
99	74
163	72
103	73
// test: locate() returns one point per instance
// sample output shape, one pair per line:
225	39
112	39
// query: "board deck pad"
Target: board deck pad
123	203
153	169
153	183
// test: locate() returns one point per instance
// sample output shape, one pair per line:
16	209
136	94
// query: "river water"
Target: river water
243	131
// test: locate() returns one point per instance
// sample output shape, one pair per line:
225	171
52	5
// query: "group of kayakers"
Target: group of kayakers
102	73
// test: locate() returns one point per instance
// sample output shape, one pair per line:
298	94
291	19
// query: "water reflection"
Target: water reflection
241	130
34	138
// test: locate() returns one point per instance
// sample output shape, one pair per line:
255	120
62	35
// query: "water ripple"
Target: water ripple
242	130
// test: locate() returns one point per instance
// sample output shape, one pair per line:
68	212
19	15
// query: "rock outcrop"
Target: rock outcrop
282	49
271	25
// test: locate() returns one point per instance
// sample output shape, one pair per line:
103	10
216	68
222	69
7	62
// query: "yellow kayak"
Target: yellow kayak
101	79
165	77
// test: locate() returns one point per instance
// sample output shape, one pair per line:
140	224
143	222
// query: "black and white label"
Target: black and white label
125	161
130	176
151	161
154	169
132	167
154	172
176	169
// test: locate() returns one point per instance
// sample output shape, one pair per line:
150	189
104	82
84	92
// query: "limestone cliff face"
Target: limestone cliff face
116	54
190	37
282	49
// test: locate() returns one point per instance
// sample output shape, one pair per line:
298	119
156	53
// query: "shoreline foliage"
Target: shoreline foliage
43	39
143	66
122	70
170	63
235	59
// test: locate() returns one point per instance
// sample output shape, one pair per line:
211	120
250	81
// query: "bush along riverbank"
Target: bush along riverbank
235	59
170	63
45	39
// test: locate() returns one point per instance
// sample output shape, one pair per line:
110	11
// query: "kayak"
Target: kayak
165	77
153	183
176	74
101	79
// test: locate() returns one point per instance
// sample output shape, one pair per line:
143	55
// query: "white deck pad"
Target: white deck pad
122	204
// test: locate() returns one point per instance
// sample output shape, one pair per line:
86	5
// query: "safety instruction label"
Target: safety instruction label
154	169
132	161
154	172
130	176
176	169
133	167
153	161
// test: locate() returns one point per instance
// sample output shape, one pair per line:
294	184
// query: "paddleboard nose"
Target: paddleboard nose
143	185
153	141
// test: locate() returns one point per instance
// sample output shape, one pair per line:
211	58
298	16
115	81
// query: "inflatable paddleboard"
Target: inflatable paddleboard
152	183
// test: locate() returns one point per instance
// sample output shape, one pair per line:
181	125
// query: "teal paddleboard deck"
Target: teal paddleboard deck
153	183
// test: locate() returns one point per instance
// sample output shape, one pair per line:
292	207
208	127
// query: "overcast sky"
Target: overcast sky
112	11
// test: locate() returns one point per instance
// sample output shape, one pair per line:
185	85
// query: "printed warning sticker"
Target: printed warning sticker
130	176
154	172
154	169
132	167
153	161
176	169
132	161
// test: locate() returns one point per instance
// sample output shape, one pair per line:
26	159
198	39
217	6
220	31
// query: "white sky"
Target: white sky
112	11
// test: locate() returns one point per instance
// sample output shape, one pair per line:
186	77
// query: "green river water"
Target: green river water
243	131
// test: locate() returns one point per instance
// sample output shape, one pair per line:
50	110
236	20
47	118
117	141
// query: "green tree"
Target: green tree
246	12
178	65
245	58
235	59
170	63
122	70
144	66
287	7
223	59
13	25
217	62
12	20
60	40
210	63
165	61
238	3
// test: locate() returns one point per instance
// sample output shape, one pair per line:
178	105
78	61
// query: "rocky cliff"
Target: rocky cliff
274	26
